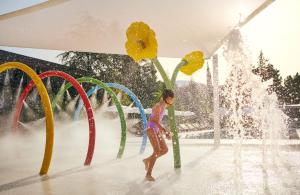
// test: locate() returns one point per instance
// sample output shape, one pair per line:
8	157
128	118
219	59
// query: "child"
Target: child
155	132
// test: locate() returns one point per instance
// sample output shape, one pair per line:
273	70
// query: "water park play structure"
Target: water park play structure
133	97
114	100
85	102
79	89
189	64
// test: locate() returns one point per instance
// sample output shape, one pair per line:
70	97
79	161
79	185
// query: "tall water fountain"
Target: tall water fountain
253	113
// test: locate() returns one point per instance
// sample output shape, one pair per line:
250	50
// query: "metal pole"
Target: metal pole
216	100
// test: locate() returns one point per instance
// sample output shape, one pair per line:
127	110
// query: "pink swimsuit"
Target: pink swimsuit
153	125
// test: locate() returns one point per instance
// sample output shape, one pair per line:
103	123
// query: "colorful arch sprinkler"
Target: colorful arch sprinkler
115	101
134	99
47	108
80	90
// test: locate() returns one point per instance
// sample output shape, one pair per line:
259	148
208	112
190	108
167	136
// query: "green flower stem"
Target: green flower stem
175	72
162	73
171	114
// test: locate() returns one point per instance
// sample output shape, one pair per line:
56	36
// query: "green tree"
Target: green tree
193	97
142	80
267	71
292	95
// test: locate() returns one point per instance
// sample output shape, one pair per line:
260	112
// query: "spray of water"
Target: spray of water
7	79
253	112
30	115
32	97
7	91
70	108
94	101
60	97
49	87
25	149
68	96
19	89
2	99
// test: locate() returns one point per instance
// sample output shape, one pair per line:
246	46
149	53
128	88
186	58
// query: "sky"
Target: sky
13	5
275	31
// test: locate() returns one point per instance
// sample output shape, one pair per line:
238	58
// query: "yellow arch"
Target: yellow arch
47	109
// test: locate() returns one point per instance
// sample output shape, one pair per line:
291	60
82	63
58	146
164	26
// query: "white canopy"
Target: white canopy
181	26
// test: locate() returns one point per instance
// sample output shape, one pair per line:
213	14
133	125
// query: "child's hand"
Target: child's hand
169	135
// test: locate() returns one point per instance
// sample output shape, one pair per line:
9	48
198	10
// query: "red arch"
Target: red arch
80	90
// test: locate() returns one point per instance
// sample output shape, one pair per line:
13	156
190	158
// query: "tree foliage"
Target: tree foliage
292	95
267	71
141	79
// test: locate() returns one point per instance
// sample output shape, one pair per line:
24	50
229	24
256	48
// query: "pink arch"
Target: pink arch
80	90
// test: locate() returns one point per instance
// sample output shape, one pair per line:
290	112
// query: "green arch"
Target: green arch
115	101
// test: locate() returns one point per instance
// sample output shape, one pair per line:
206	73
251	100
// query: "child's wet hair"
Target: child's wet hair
167	93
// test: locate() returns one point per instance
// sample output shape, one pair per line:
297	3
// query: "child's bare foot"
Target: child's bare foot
146	164
149	178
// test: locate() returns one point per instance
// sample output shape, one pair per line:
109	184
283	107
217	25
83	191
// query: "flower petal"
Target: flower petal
141	42
195	61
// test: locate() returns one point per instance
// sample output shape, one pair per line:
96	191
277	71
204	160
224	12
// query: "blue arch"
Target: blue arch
134	98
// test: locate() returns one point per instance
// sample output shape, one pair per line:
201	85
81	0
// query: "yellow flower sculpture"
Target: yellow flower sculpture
141	42
195	61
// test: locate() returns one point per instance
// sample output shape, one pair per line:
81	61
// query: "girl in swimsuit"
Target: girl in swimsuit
155	132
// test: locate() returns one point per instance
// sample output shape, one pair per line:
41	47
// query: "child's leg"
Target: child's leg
162	145
150	161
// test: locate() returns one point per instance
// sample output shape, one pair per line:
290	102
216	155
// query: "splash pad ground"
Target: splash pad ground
205	170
